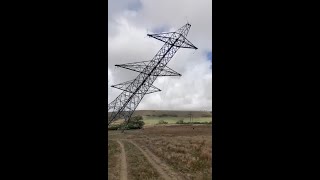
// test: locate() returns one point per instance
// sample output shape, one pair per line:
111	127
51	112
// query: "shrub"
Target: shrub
135	122
136	118
114	127
162	122
180	122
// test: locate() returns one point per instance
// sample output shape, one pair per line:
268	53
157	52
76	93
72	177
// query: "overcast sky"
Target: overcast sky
128	23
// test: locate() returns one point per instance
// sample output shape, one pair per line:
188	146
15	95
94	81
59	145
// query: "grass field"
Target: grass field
152	117
113	160
150	120
161	152
138	163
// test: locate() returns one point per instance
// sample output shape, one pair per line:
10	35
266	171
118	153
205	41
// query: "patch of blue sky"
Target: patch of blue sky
209	56
135	5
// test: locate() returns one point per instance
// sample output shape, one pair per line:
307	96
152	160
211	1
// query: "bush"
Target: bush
135	122
136	118
114	127
180	122
162	122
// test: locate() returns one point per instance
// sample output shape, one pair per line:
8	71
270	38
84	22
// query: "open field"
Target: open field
161	113
161	152
172	120
114	152
152	117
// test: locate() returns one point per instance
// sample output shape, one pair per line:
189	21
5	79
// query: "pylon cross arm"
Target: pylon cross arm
171	37
140	66
125	87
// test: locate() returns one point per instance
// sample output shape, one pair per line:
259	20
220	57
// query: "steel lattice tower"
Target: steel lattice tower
134	91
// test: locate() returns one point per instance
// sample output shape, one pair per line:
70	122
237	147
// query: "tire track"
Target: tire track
123	171
163	169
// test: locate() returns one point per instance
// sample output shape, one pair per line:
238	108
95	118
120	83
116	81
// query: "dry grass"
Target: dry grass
113	160
186	149
179	130
189	154
138	166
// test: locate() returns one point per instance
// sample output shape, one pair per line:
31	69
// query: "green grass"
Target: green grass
152	120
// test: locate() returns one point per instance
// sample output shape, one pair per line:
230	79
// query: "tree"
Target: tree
180	121
135	122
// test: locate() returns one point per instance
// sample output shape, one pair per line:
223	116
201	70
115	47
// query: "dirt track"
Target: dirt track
124	171
163	169
173	152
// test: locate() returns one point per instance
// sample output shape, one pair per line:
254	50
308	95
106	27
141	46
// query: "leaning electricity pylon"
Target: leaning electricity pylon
134	91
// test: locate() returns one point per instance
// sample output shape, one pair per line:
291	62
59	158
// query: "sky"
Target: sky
129	22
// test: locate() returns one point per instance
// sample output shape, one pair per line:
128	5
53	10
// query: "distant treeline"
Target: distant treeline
182	122
167	113
174	115
163	115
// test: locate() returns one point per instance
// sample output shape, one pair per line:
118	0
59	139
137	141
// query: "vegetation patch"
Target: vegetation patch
135	122
182	122
162	122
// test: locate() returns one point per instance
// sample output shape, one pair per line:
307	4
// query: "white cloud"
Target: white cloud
128	43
